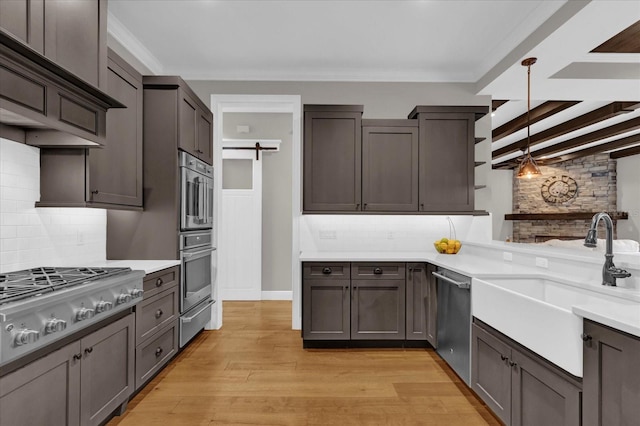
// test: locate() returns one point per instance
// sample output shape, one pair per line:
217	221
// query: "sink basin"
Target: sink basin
535	312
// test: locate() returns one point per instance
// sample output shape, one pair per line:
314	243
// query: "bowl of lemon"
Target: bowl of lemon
447	246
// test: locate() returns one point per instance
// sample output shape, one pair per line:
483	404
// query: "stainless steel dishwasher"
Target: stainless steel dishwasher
454	321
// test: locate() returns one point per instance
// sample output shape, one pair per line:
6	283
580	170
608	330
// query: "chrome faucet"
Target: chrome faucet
609	270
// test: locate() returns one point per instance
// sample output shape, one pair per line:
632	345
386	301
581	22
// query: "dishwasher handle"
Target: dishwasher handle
459	284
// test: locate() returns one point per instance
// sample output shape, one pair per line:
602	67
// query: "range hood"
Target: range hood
44	105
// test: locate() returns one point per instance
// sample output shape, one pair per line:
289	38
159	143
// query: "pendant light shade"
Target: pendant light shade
528	167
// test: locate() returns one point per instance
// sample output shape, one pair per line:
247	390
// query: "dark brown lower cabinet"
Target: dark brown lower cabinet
519	387
326	300
377	310
79	384
417	301
611	381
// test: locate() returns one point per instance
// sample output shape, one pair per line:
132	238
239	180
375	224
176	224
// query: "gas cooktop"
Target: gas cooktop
27	283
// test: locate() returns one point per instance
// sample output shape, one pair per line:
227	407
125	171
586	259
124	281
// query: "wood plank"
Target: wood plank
255	371
626	41
595	116
563	216
616	144
625	152
497	103
538	113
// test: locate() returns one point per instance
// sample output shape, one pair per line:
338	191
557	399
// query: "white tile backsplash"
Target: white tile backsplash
32	236
347	233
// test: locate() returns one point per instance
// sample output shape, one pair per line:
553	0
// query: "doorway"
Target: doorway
240	203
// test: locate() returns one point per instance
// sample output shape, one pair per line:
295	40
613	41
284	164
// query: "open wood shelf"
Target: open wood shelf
479	186
563	216
479	163
478	140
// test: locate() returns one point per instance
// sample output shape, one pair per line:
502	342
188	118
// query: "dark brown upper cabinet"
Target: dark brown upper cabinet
71	33
195	120
389	165
447	157
110	177
332	158
53	71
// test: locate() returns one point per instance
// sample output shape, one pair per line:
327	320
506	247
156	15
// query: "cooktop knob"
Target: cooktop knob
136	292
26	336
54	325
84	313
103	306
123	298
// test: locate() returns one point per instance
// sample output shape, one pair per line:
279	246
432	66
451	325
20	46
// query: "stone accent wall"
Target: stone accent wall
596	179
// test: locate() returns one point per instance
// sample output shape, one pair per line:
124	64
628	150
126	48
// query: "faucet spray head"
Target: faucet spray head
591	240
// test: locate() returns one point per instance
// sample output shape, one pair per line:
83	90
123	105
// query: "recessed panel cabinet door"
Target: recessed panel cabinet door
611	382
390	169
417	304
377	309
45	392
76	37
115	172
446	162
24	20
325	309
107	378
205	137
332	161
187	112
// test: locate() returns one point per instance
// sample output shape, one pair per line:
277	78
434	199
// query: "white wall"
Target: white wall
31	237
500	188
629	197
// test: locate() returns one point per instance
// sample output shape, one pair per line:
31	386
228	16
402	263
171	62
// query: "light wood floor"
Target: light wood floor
254	372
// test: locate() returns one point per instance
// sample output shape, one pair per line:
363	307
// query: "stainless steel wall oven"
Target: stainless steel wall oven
197	251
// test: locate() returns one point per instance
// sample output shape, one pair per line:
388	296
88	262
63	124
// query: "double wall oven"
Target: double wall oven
197	248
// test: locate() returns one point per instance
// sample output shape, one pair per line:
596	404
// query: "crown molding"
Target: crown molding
120	33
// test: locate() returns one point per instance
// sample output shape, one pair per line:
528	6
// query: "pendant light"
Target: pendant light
528	167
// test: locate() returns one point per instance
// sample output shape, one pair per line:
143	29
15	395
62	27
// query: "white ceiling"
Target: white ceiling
476	41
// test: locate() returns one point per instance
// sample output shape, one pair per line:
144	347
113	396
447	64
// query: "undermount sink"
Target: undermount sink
535	312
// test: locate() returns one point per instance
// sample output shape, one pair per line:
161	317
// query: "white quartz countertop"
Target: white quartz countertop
624	316
148	266
465	264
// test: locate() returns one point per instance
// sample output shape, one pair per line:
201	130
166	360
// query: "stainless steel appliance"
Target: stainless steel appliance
454	321
196	193
40	306
198	266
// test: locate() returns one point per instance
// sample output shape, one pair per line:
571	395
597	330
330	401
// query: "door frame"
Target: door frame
269	104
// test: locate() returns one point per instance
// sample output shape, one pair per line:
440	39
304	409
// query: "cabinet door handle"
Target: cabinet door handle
364	206
377	271
358	206
77	357
159	282
159	351
159	313
513	364
326	270
95	191
421	206
585	337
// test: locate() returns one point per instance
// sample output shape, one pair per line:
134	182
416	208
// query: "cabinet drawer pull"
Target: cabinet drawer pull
159	282
159	313
358	206
377	271
95	191
88	350
513	364
158	351
77	357
504	358
585	337
326	271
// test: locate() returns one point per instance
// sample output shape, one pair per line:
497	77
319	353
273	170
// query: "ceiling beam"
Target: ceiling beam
625	152
606	132
539	113
616	144
592	117
497	103
626	41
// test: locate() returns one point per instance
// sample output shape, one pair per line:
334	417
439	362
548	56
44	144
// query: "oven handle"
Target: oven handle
189	319
199	253
459	284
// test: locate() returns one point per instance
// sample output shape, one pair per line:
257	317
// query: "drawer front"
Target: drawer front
326	270
160	281
377	270
155	353
154	313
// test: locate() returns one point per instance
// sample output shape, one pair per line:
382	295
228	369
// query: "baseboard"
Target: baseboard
277	295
